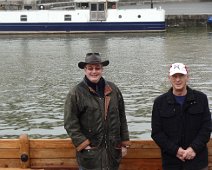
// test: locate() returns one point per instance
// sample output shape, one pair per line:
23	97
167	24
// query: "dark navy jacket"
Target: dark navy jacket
175	126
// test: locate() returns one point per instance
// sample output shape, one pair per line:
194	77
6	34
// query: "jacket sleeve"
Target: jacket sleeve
158	134
124	127
204	133
71	121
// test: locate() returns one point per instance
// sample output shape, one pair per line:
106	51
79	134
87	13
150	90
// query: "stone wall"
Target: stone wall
155	1
187	21
128	1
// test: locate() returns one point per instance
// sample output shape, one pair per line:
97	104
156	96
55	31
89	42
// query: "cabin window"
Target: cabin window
23	18
101	7
93	7
82	5
139	16
120	16
77	5
67	18
111	5
27	7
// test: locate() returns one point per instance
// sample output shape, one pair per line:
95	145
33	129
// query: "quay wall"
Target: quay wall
137	2
198	20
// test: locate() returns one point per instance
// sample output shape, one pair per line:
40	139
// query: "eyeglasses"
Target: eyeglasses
90	68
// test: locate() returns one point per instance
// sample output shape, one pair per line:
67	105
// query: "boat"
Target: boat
83	16
59	154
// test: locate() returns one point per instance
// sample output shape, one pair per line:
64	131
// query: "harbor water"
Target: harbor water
37	71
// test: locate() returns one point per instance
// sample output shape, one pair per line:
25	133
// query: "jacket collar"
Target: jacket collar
189	96
107	88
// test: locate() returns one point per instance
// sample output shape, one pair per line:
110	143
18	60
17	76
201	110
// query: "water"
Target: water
36	72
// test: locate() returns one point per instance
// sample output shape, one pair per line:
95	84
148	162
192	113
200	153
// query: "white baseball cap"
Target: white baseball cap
178	68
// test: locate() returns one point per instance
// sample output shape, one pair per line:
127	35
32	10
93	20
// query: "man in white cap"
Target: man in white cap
95	118
181	124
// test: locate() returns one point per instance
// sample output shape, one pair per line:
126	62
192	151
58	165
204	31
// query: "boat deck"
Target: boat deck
59	154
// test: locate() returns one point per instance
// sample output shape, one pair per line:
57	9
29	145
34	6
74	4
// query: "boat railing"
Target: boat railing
54	5
49	1
11	5
57	154
70	7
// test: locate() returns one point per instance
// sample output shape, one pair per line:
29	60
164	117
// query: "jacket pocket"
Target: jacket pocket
195	117
90	158
170	120
115	153
116	156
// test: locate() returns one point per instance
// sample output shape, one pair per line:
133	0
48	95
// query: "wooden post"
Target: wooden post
24	151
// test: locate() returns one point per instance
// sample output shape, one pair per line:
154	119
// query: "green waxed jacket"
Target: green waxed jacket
98	122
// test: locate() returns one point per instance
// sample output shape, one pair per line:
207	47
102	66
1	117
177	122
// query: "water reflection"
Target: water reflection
36	73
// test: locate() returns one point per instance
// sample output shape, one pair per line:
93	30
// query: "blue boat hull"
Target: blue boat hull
83	27
210	19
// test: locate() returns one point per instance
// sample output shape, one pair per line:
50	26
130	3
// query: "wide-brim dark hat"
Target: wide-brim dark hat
92	58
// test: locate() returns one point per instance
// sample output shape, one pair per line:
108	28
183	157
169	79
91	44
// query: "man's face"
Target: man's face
179	82
93	72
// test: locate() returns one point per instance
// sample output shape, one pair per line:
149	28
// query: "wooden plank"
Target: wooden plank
51	143
143	153
68	153
40	169
210	151
53	153
144	144
210	143
9	163
53	163
59	168
9	153
9	143
141	164
17	169
210	160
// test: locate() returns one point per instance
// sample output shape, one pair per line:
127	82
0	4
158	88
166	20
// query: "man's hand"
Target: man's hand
187	154
181	154
124	151
190	154
88	147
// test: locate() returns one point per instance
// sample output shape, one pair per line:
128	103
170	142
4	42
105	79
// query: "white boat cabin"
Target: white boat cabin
81	16
98	8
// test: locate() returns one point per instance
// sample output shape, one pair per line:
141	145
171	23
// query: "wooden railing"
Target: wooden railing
52	154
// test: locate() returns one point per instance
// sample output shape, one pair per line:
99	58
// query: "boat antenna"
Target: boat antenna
151	4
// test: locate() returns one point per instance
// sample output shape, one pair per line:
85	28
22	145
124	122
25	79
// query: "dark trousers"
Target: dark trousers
206	168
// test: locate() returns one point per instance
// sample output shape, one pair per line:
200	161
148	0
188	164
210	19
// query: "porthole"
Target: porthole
120	16
139	16
23	18
67	18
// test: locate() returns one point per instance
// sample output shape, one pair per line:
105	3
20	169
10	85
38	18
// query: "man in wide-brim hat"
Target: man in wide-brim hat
95	118
93	66
93	58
